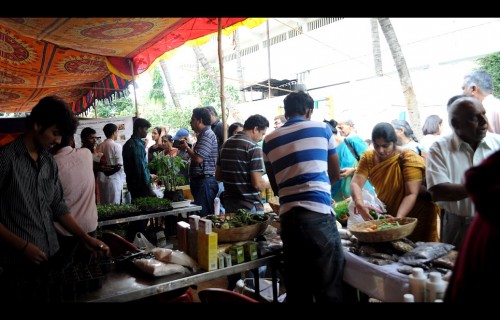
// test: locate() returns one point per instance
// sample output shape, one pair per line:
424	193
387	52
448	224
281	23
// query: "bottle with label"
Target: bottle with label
435	287
417	281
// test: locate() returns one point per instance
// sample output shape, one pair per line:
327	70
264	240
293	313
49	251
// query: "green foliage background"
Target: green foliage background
491	63
159	108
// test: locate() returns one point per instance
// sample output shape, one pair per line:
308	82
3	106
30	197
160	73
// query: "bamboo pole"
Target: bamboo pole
131	64
221	74
268	59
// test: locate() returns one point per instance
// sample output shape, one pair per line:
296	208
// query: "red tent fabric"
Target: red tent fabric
84	59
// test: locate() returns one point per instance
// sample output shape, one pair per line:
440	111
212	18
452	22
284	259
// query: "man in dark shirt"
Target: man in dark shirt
135	164
203	158
217	126
31	199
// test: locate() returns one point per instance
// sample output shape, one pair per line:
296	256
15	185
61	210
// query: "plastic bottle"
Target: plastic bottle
216	206
408	297
418	284
435	287
128	198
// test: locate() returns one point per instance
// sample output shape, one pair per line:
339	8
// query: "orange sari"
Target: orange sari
389	182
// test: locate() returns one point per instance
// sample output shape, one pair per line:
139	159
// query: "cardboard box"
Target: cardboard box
182	236
207	251
221	260
250	249
227	259
237	254
205	226
193	221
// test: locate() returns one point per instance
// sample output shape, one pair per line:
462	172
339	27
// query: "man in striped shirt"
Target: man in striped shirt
302	163
31	199
203	159
240	167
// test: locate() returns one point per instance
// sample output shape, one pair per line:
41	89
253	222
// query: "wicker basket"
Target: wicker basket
242	233
407	225
274	202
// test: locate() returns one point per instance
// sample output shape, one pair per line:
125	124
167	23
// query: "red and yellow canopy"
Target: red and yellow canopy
84	59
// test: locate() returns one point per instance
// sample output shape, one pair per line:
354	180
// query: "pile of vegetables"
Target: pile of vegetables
385	225
240	219
342	210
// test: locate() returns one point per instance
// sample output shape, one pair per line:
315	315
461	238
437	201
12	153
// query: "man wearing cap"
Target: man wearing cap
183	134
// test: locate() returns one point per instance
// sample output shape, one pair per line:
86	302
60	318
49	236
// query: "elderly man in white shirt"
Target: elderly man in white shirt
448	159
479	84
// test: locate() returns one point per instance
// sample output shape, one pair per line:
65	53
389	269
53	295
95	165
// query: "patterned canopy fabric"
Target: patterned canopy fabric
84	59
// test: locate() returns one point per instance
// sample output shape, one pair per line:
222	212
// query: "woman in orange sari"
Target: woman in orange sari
397	184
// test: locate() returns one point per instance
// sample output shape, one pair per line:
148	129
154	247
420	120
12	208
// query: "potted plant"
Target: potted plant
168	170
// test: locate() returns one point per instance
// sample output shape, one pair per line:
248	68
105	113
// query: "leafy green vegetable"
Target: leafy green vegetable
341	209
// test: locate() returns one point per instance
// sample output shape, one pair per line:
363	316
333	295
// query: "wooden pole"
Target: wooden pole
221	68
131	64
268	60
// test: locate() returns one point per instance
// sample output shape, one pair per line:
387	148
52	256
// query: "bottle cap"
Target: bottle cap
418	272
435	276
408	297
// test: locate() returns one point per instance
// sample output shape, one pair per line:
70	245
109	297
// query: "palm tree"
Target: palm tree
377	55
170	84
404	73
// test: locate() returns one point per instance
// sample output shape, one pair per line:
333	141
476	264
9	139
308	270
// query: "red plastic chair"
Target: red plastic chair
219	295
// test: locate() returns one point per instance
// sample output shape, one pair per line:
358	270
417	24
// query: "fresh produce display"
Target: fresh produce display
152	204
342	210
105	211
239	219
386	224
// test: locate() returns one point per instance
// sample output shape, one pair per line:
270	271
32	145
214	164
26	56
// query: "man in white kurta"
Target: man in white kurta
111	186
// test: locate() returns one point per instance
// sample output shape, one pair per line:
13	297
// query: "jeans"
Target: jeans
313	257
204	191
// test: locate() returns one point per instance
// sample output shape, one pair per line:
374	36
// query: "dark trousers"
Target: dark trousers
139	225
313	257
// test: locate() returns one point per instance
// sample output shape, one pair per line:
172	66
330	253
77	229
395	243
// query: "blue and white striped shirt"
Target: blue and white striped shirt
298	154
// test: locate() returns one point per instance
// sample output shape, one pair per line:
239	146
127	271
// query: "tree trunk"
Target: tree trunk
170	84
404	74
377	56
239	67
206	65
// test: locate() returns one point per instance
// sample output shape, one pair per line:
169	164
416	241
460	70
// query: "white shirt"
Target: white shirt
77	179
492	107
428	140
448	159
111	187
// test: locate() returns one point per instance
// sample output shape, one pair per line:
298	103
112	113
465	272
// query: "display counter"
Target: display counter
133	284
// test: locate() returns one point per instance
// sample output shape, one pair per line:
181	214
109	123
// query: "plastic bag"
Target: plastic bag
371	201
141	241
158	268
